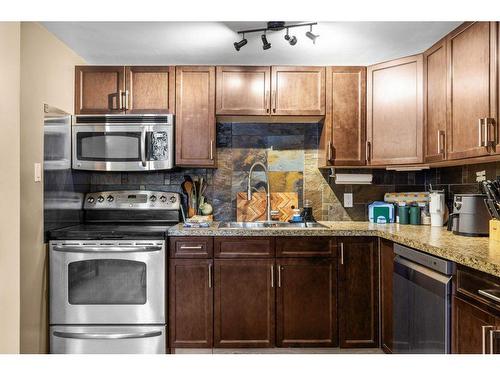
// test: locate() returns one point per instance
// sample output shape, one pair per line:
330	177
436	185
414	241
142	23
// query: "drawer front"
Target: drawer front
244	247
306	246
482	287
191	247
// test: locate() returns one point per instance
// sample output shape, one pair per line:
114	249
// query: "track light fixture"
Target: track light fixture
265	43
276	26
241	43
292	40
312	36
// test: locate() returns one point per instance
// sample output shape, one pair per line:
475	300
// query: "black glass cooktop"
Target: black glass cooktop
110	231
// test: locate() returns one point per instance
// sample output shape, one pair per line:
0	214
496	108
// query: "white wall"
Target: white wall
47	76
9	186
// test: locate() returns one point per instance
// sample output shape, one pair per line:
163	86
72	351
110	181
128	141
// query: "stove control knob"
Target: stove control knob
163	198
100	199
91	199
111	198
152	198
173	199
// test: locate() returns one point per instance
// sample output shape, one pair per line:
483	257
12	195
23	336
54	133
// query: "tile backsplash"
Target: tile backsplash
290	151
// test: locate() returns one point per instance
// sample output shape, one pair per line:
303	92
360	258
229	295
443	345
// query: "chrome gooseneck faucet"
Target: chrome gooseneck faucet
268	192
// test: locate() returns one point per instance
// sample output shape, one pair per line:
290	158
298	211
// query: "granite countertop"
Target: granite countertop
479	253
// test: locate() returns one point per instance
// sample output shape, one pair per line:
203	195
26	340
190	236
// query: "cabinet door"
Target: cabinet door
150	89
468	335
358	293
346	110
435	102
195	116
306	302
395	112
386	270
99	89
472	86
244	303
298	90
190	299
243	90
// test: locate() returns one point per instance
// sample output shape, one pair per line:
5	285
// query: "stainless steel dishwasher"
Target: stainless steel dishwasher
421	302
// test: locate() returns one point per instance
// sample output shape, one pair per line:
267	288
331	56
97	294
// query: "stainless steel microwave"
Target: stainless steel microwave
141	142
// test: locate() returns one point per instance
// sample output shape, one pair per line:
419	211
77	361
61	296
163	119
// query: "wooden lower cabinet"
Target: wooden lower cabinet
386	270
358	292
468	333
190	310
244	314
306	302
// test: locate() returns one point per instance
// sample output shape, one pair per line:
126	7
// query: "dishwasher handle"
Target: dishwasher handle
423	270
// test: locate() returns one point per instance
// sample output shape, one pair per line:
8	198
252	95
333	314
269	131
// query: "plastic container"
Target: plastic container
381	212
415	215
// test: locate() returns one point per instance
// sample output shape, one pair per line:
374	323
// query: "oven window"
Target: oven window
111	146
107	282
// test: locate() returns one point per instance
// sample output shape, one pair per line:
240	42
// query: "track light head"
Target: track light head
292	40
241	43
312	36
265	43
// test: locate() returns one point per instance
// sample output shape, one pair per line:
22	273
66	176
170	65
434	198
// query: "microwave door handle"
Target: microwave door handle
106	336
143	147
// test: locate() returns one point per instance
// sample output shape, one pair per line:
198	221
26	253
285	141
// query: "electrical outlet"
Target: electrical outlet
480	176
348	199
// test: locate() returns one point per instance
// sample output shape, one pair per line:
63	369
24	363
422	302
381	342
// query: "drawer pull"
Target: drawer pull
199	247
487	294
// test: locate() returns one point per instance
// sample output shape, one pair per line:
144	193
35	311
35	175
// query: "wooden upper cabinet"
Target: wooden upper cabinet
395	111
195	116
298	90
471	50
243	90
150	89
358	292
345	116
99	89
435	70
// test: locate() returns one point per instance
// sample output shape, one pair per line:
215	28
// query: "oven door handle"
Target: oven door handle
106	336
143	147
106	249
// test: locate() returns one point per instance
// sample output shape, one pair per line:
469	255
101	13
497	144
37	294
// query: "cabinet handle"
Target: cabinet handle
120	99
211	150
126	100
272	276
210	275
329	151
368	151
199	247
488	124
480	135
439	143
487	294
484	329
267	101
279	276
342	253
274	101
493	333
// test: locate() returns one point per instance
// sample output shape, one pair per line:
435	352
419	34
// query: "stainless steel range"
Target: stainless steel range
107	276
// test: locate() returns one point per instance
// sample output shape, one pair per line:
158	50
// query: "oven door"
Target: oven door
112	282
107	340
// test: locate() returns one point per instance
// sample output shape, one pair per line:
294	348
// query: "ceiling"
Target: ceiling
176	43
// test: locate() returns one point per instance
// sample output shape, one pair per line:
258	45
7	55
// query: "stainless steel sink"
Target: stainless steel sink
267	225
